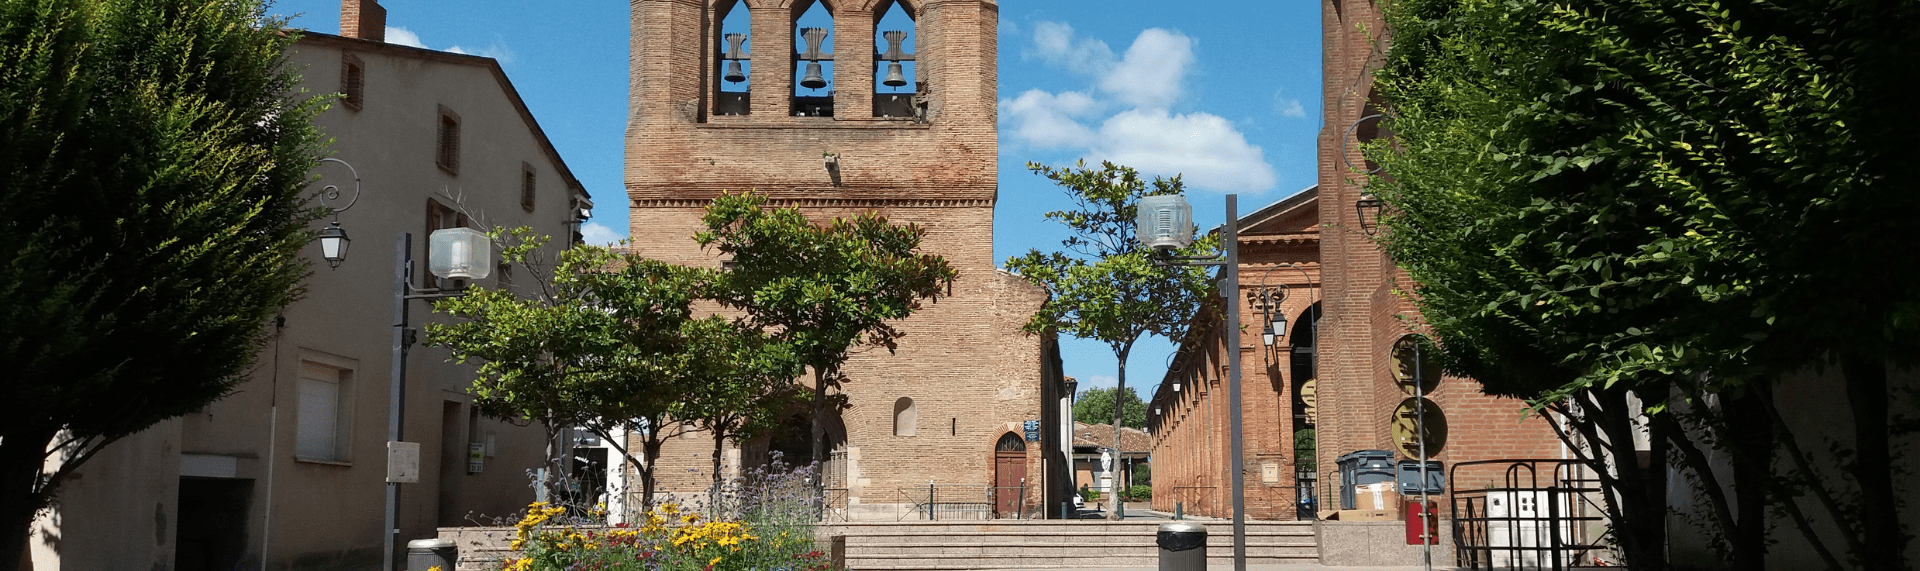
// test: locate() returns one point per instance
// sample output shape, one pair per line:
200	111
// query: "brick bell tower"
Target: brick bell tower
860	110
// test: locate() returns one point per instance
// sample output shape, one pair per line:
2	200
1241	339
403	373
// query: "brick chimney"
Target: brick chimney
363	19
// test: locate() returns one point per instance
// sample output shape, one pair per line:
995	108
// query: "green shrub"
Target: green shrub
1137	493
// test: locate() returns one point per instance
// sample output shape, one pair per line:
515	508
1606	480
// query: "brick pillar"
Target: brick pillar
363	19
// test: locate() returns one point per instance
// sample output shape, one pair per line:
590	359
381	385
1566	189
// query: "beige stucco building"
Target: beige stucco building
290	470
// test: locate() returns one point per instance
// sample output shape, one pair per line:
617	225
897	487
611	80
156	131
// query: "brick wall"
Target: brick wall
971	373
1364	316
1365	312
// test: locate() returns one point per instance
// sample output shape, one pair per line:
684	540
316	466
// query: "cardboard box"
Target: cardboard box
1363	515
1381	496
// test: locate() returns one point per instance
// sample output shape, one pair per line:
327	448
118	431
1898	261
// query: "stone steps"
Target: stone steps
1044	544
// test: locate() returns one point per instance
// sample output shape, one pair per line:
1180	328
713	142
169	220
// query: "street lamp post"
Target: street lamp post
1165	222
453	253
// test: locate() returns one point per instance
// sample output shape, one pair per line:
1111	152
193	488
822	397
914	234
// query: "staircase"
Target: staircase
1053	544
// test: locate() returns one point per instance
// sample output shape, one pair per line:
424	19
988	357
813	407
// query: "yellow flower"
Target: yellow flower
715	561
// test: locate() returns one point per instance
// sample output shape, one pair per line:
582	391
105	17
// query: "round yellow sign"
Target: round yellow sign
1401	364
1407	423
1310	400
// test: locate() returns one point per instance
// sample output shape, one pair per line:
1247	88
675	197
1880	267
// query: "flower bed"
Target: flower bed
670	539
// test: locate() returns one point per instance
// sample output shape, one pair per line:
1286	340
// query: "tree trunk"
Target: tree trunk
1113	503
1884	545
650	449
1642	510
819	458
22	456
1749	436
713	492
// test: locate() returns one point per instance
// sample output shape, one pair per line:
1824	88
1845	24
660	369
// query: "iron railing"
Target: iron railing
941	502
1539	517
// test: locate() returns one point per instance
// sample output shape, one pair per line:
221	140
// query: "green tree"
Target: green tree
1097	405
1599	200
821	289
607	341
1104	285
746	387
150	199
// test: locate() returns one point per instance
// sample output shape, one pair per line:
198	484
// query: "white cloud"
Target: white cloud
1288	106
1153	71
1049	121
1206	149
1009	28
497	50
599	234
1055	44
404	37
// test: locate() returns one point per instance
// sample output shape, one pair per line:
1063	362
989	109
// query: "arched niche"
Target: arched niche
813	41
905	417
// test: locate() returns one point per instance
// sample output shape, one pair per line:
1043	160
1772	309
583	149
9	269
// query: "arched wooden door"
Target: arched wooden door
1009	469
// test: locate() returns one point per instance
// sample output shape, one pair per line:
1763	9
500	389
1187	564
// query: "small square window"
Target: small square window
527	181
353	76
447	148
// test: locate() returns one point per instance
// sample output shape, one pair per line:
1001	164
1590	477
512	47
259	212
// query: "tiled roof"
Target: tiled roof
1101	435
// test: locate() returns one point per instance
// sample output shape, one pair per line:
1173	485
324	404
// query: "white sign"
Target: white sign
403	462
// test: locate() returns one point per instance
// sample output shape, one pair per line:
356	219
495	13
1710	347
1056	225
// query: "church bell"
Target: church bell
894	77
734	75
813	79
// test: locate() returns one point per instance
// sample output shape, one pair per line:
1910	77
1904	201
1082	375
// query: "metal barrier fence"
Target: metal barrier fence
1203	500
1539	517
941	502
833	505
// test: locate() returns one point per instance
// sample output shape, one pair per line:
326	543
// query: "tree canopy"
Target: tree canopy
150	197
610	341
1601	197
821	289
1096	406
1105	286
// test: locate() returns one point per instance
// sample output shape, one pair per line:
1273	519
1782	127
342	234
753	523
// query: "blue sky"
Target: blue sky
1225	92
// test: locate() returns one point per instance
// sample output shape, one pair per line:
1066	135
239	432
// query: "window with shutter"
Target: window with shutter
527	181
319	415
447	152
353	75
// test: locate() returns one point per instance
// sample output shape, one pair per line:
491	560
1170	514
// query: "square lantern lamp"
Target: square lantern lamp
1164	222
333	244
459	253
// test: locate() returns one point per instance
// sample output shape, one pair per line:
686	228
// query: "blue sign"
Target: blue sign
1032	425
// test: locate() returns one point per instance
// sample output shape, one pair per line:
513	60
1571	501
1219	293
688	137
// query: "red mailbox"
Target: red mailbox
1417	528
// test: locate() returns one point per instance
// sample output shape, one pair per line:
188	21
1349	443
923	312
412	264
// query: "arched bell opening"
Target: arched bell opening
813	40
733	68
896	45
